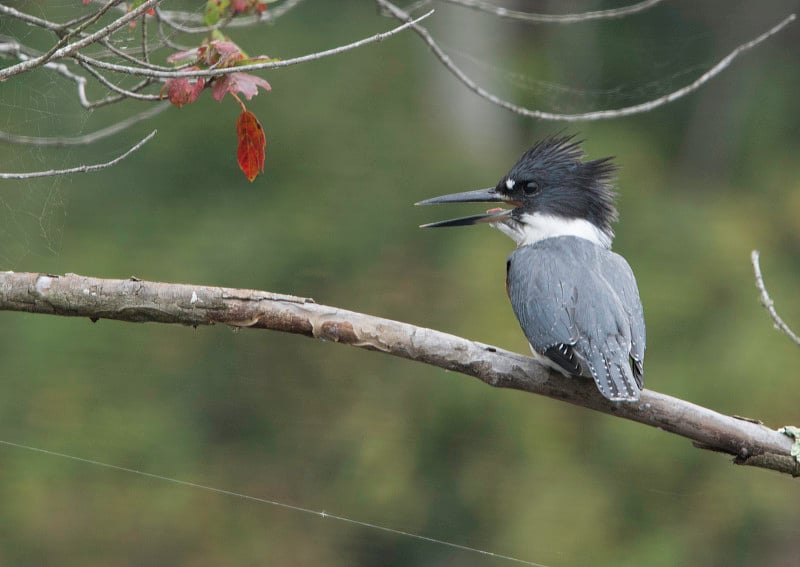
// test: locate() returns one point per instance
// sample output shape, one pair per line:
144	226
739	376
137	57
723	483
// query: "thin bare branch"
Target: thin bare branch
88	62
76	21
596	115
80	168
29	19
141	301
555	18
89	138
145	49
153	73
268	16
178	27
75	46
767	302
144	62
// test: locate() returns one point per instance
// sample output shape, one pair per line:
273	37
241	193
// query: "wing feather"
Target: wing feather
578	305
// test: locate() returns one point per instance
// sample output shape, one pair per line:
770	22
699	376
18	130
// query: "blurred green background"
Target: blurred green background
353	141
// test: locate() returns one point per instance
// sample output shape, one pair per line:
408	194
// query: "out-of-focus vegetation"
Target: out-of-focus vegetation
353	141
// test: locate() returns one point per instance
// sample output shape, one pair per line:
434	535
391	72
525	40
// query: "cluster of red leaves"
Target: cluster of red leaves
220	54
224	54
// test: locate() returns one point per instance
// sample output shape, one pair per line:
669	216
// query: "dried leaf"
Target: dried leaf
252	143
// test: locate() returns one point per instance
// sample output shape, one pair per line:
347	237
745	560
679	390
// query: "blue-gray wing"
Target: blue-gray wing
578	305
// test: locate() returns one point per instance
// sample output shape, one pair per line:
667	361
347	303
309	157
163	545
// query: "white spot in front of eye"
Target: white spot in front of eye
510	183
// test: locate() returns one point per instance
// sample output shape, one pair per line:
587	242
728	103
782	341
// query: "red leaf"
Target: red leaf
239	6
180	91
252	142
223	53
238	83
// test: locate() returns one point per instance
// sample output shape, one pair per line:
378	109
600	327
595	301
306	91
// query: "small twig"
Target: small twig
75	21
555	18
80	168
131	59
87	63
596	115
138	71
767	302
29	19
167	38
268	16
64	71
80	80
145	50
89	138
79	44
174	25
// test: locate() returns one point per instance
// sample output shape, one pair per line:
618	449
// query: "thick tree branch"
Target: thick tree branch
139	301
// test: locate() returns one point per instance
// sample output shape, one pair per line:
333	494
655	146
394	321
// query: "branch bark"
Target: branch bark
137	301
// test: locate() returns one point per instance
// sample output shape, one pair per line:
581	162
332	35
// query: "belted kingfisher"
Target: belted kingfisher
576	300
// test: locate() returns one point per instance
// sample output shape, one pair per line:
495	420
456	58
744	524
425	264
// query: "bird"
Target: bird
576	300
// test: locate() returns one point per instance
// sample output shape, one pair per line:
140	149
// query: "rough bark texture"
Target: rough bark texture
139	301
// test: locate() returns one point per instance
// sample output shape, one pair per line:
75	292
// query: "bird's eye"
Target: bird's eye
531	187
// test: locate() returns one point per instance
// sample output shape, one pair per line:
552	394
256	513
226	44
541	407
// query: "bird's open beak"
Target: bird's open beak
479	196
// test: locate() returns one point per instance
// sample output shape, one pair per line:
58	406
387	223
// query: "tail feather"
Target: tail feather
614	378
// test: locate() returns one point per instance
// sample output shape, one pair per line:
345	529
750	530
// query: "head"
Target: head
553	192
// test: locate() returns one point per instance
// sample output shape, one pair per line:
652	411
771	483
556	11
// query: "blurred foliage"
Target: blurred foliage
353	141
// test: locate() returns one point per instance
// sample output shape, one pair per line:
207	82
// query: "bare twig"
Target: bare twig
555	18
178	27
80	168
144	62
79	44
88	62
80	81
596	115
156	74
29	19
89	138
268	16
767	302
140	301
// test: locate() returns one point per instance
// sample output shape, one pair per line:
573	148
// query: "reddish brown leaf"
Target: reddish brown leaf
223	53
240	6
238	83
252	143
180	91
